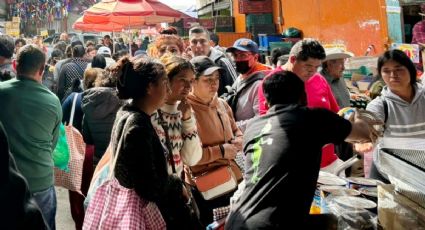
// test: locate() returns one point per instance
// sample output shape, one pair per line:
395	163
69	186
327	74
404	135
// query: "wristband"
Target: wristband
221	149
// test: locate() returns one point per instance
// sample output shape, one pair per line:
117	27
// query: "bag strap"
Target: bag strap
257	76
165	126
385	110
114	157
74	102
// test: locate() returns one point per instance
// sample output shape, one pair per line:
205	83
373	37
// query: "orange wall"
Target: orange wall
240	24
357	24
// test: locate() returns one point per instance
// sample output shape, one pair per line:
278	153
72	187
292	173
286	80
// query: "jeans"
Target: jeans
46	201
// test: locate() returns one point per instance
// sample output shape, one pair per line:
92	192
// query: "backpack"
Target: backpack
232	96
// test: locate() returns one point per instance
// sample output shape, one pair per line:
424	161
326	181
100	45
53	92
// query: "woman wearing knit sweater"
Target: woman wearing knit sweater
177	118
221	139
142	160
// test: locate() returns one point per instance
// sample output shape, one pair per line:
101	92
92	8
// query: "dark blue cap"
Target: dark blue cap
244	44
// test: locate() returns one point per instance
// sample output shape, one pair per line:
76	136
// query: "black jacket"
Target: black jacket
141	165
100	106
18	209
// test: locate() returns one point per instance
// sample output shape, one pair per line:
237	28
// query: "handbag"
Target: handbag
71	178
116	207
215	183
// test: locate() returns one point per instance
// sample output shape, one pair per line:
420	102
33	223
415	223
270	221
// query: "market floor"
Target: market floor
63	213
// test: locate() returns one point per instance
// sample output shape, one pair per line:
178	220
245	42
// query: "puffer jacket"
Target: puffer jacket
100	106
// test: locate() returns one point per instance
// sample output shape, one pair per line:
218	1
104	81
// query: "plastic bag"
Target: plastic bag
61	152
350	217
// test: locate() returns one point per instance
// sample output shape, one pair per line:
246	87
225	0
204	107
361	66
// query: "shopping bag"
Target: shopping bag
100	175
116	207
72	178
61	152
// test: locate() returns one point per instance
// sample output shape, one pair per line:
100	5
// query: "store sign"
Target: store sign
207	23
411	50
255	7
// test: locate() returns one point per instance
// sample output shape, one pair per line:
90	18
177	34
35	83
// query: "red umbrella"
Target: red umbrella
103	27
129	12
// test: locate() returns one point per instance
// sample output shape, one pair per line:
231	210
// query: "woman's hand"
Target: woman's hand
186	109
230	151
237	142
363	148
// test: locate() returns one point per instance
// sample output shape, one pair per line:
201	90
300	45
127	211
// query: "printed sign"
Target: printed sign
411	50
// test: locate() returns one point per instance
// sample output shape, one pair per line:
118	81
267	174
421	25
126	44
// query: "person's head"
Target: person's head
107	40
397	70
169	30
7	47
199	39
120	40
284	87
64	37
207	77
105	51
214	39
181	75
68	51
422	9
55	56
90	76
305	58
335	61
19	43
105	79
60	45
166	44
30	62
118	55
76	42
144	80
282	60
98	61
91	52
90	44
245	54
78	51
278	52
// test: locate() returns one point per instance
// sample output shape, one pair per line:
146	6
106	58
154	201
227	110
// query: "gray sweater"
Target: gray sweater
404	119
247	105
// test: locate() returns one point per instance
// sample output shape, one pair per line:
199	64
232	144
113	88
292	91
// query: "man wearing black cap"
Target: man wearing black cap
244	101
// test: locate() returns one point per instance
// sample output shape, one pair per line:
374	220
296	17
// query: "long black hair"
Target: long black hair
401	58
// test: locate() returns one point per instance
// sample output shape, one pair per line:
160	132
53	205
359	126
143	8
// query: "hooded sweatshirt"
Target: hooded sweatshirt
228	74
215	126
100	106
404	119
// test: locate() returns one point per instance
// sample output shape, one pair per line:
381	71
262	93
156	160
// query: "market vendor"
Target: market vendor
333	71
283	155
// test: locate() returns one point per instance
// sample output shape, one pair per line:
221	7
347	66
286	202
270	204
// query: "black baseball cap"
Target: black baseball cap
204	65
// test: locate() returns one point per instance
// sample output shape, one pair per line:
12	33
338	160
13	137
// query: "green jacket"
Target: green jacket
31	116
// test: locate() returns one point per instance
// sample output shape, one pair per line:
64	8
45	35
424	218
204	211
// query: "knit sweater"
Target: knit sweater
184	139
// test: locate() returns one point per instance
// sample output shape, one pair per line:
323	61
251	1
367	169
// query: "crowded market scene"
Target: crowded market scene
212	114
